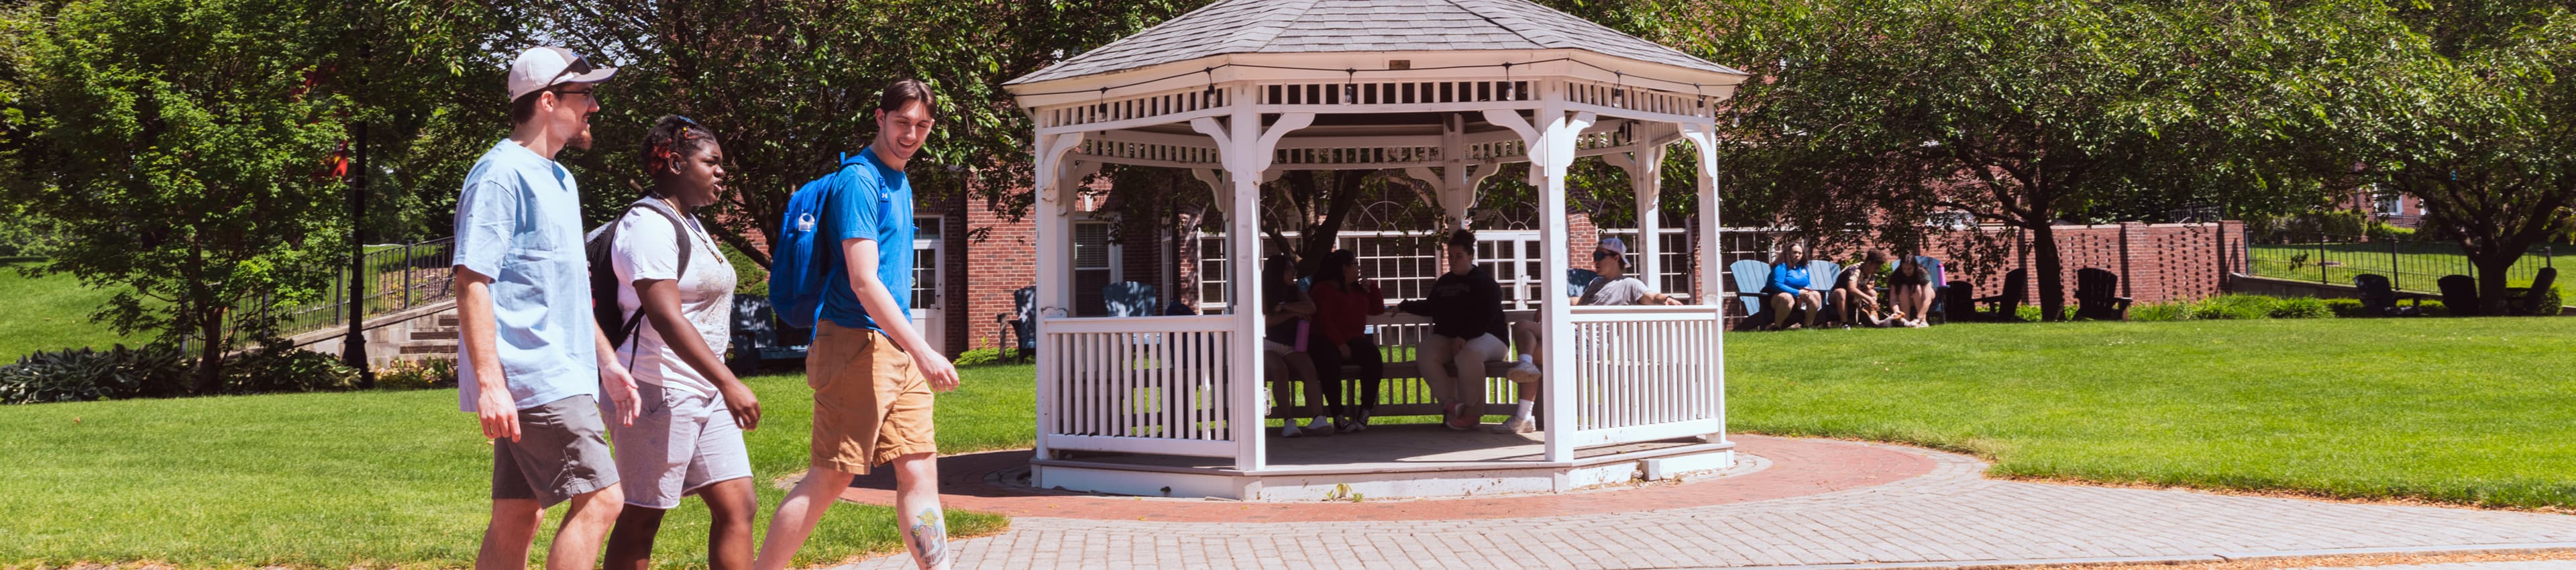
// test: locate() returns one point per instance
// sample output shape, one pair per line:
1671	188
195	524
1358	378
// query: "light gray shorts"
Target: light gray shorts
559	454
680	443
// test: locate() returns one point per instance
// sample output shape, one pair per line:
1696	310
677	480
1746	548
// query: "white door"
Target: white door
928	274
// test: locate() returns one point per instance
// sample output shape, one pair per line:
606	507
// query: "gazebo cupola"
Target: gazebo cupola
1241	91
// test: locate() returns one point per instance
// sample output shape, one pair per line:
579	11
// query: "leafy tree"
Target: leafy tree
181	146
1876	113
789	85
2481	124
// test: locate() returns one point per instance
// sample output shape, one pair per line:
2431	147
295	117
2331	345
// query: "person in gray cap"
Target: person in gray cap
535	365
1614	287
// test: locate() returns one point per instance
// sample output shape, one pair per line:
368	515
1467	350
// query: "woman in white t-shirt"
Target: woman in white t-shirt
687	434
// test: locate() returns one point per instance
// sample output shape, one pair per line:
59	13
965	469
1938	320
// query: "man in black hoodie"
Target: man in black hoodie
1467	329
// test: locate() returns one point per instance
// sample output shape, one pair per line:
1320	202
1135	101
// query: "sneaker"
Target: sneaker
1516	425
1360	422
1450	416
1345	425
1525	372
1289	430
1319	429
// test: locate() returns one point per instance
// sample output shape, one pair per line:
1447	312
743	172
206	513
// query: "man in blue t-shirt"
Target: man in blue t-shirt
534	363
872	371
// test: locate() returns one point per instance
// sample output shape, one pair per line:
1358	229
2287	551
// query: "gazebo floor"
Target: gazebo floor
1387	461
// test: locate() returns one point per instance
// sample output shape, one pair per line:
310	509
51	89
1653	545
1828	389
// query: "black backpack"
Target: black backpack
617	324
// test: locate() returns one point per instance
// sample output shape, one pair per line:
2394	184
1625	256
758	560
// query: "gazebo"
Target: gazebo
1445	91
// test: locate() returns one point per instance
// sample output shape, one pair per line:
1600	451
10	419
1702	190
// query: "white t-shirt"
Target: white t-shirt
646	249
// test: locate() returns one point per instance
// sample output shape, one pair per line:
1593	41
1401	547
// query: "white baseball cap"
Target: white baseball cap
1614	245
547	66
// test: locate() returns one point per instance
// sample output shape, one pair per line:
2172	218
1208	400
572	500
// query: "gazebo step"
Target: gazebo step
1367	471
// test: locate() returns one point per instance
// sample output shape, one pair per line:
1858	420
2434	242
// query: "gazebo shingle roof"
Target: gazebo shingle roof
1322	26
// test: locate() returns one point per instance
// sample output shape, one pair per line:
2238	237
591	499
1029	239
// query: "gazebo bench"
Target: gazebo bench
1395	404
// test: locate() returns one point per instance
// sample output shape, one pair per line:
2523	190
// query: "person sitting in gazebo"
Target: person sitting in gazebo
1285	312
1343	303
1467	328
1614	287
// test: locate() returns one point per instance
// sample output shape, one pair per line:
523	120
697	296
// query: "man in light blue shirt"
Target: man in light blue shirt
535	365
872	371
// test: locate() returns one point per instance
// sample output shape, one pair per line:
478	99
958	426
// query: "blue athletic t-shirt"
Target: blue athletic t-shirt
874	203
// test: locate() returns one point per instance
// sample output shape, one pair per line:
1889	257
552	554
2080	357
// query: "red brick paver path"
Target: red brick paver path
1798	467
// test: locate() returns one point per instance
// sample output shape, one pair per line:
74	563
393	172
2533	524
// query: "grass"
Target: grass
374	479
49	313
2455	410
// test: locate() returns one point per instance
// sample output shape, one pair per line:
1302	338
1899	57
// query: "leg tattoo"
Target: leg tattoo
929	538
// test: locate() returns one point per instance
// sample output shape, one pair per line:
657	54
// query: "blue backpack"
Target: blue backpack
799	266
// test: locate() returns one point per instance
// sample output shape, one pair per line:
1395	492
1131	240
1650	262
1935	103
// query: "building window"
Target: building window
2387	203
1095	265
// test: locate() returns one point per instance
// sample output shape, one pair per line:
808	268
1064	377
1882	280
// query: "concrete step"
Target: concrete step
434	334
428	348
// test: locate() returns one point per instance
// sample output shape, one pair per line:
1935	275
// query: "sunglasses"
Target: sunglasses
1601	254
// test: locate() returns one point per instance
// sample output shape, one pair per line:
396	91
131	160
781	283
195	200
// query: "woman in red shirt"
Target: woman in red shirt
1343	303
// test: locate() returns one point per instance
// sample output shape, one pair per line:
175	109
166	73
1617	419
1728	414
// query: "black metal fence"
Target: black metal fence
396	278
2411	265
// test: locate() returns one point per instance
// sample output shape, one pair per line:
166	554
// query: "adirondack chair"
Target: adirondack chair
2379	298
758	337
1957	301
2531	300
2460	295
2001	305
1750	277
1131	299
1022	321
1821	276
2097	295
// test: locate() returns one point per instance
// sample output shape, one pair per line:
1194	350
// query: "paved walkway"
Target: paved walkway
1944	516
2527	565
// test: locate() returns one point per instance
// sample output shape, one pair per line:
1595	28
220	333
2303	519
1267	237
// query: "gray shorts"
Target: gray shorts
559	455
680	443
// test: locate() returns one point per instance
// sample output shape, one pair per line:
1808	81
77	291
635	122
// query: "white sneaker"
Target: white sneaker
1524	372
1516	425
1289	430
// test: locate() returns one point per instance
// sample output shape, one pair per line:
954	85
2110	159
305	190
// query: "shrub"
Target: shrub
2380	231
2161	312
748	278
417	374
980	357
2346	308
85	374
286	370
2234	307
2300	308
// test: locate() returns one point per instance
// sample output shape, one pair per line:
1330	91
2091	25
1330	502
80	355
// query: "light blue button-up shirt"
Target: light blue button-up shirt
519	223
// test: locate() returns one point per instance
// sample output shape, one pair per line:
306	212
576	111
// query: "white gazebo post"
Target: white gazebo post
1644	164
1054	252
1703	137
1551	151
1244	148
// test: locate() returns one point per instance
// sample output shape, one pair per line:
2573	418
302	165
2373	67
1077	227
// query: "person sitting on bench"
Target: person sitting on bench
1343	303
1285	310
1614	287
1467	329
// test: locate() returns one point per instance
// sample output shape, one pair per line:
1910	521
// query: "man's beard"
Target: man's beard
580	139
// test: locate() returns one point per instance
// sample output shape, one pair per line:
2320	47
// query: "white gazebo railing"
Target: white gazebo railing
1137	385
1645	373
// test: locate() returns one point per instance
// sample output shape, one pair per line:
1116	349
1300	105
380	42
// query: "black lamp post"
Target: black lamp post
353	350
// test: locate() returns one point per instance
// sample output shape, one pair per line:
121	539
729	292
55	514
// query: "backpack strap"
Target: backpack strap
635	321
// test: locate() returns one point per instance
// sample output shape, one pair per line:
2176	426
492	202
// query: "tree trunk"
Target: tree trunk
2492	266
210	354
2052	285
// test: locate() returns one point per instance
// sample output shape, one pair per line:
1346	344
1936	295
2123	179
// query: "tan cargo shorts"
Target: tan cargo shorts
870	404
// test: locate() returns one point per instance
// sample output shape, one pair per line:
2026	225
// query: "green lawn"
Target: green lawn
2459	410
372	478
48	313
